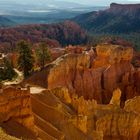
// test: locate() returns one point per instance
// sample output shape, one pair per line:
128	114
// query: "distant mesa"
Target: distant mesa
124	7
116	5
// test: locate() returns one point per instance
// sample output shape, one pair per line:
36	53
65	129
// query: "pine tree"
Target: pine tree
25	60
2	73
8	69
43	54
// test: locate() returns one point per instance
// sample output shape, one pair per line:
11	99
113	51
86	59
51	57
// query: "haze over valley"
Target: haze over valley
25	12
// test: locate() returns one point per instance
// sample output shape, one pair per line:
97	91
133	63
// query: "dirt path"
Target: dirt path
36	90
17	80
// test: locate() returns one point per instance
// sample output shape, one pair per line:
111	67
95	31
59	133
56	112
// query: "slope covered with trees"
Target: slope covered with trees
56	35
117	19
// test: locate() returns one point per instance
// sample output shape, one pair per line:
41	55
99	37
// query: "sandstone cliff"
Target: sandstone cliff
15	111
93	76
57	114
76	118
91	95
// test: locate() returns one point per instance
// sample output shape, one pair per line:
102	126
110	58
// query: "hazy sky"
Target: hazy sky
102	2
86	2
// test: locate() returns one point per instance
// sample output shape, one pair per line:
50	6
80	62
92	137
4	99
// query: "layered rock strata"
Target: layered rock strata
93	75
58	114
15	109
71	117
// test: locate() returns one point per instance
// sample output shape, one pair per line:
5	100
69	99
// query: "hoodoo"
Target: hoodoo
93	77
92	95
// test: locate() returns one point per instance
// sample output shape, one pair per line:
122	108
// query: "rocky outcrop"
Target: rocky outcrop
58	114
15	106
52	109
64	118
119	125
82	119
111	54
85	98
132	105
93	75
116	97
71	105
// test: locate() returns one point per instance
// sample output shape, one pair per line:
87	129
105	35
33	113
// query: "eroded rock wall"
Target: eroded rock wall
93	75
15	105
77	118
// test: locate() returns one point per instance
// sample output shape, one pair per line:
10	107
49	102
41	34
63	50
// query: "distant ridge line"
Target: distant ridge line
116	5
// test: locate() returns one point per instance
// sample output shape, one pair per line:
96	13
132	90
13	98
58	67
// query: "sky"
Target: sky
102	2
85	2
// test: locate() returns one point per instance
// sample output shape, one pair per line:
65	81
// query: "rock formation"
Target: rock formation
15	109
56	114
116	97
84	119
93	77
132	105
119	125
88	96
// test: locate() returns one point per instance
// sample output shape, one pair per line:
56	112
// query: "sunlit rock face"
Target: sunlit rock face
112	54
93	75
73	117
15	111
15	104
115	100
119	125
132	105
57	114
92	95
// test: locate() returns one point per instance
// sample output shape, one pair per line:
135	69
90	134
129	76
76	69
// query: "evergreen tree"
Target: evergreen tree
8	69
2	73
43	54
25	60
